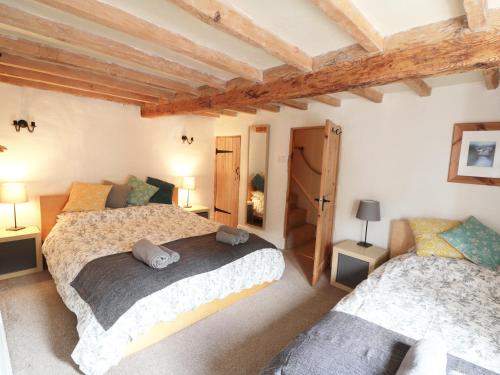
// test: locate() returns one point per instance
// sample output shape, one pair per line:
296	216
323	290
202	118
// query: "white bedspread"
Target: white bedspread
79	238
432	296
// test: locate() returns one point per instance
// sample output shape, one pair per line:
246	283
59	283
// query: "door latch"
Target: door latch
322	201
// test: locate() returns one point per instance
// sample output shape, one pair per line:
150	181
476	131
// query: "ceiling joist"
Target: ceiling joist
418	86
491	78
327	99
270	107
245	109
295	104
477	13
368	93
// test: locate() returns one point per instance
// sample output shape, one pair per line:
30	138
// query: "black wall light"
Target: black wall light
19	124
186	139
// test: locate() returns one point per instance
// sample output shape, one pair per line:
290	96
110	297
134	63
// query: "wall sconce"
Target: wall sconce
18	124
186	139
3	148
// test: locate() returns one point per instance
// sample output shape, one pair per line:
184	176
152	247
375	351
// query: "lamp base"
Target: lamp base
14	229
364	244
187	206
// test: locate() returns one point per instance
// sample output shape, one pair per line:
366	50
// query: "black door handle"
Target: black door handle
322	200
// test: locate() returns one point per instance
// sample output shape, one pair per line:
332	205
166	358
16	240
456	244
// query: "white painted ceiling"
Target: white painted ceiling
299	22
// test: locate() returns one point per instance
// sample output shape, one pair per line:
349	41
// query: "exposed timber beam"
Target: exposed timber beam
244	109
491	78
418	86
127	23
477	13
327	99
353	22
228	112
270	107
39	51
68	34
454	50
228	19
368	93
295	104
207	114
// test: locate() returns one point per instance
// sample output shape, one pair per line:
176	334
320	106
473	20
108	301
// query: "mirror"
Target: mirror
258	144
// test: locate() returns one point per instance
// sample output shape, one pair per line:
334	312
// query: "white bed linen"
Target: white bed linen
79	238
423	297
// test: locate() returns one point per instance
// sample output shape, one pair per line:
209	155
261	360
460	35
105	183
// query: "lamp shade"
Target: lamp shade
368	210
188	183
13	192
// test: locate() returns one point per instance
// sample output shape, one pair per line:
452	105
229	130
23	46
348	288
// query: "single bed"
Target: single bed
406	299
74	240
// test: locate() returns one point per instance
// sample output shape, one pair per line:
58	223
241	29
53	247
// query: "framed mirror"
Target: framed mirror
258	145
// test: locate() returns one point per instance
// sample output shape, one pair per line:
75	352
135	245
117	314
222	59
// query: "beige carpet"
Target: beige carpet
238	340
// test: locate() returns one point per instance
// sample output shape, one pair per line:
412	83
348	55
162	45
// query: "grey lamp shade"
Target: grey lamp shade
368	210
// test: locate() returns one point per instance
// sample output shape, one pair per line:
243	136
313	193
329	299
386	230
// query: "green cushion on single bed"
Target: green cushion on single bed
141	192
165	192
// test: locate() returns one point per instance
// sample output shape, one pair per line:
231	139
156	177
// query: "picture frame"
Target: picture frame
475	154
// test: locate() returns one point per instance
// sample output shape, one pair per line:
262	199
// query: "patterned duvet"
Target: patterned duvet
79	238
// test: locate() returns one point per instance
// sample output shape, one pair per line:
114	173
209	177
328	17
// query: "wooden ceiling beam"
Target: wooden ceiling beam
292	103
68	34
39	51
491	78
328	100
82	75
207	114
228	19
419	86
352	21
245	109
127	23
270	107
477	13
18	81
228	112
368	93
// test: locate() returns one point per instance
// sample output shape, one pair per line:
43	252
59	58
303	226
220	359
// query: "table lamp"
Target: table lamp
368	210
188	184
13	192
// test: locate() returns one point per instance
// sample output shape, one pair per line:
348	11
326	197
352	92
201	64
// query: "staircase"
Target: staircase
298	231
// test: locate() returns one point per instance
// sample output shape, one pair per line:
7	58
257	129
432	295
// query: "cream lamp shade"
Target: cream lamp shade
13	192
188	183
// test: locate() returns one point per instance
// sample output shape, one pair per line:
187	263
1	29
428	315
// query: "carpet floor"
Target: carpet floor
240	339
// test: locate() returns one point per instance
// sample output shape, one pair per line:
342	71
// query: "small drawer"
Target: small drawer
17	255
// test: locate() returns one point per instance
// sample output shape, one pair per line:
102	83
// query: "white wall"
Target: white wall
83	139
396	152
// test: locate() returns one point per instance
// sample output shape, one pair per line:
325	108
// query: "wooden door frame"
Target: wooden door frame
215	174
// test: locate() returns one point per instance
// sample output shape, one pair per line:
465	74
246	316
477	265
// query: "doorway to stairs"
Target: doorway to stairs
310	204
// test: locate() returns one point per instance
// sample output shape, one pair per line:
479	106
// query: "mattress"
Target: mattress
79	238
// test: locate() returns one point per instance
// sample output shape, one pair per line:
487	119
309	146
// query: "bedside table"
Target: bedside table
20	252
351	264
199	210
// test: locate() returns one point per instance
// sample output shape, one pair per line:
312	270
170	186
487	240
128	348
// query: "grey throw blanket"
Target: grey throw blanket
112	284
343	344
152	255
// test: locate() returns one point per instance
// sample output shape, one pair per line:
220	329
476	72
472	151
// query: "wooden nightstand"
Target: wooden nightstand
199	210
20	252
351	263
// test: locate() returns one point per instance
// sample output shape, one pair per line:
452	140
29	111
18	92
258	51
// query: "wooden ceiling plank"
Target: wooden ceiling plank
328	100
292	103
39	51
419	86
245	109
268	107
477	13
82	75
353	22
18	81
368	93
226	18
68	34
127	23
491	78
74	84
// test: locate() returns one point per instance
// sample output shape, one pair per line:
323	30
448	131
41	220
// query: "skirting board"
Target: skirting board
278	241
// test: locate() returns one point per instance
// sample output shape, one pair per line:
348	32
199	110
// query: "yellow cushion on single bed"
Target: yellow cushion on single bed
427	240
87	197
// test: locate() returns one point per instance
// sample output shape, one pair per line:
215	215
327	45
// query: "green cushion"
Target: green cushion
141	192
477	242
165	192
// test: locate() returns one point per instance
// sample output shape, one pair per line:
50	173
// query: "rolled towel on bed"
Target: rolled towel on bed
426	357
228	238
152	255
241	234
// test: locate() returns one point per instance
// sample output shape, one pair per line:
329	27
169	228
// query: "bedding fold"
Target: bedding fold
154	256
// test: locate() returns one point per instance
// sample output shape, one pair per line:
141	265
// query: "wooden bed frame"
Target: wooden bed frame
52	205
401	239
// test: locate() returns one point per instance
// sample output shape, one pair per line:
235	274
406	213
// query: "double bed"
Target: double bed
72	241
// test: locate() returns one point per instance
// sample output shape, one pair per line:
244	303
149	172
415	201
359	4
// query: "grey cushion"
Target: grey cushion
118	195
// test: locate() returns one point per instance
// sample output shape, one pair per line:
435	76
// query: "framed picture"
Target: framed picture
475	154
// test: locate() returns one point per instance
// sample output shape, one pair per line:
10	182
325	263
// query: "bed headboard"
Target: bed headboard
401	238
52	205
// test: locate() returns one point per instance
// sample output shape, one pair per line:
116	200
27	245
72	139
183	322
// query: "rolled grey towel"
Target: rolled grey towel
152	255
242	235
228	238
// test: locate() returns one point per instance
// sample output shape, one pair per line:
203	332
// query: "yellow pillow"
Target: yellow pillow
427	240
87	197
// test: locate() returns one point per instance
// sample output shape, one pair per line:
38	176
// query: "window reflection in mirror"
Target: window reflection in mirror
258	143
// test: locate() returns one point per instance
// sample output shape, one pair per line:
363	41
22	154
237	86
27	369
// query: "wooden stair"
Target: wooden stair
299	232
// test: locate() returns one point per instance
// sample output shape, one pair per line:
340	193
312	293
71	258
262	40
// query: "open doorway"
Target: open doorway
310	204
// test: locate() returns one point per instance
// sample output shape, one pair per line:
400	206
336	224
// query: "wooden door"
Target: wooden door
327	198
227	180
